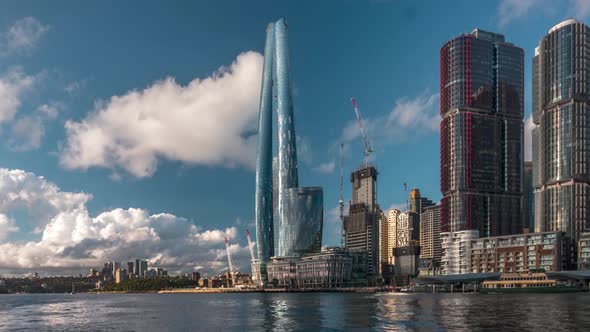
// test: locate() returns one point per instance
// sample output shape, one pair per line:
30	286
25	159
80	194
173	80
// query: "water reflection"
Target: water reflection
295	312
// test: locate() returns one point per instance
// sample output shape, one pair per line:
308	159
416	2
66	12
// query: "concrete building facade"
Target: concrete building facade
430	242
456	251
520	253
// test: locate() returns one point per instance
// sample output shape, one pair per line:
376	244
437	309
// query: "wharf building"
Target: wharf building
361	226
561	136
481	137
333	267
583	252
298	213
549	251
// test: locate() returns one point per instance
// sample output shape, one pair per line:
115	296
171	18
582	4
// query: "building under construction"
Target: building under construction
362	223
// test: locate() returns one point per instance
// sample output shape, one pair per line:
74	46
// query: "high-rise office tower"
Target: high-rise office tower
481	155
386	266
361	226
561	137
130	267
143	267
136	267
527	197
408	229
299	210
392	234
264	191
417	202
430	243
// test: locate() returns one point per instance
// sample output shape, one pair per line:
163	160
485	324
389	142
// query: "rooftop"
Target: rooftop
563	24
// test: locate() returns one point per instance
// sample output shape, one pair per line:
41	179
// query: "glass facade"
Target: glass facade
299	211
482	109
264	186
561	138
301	227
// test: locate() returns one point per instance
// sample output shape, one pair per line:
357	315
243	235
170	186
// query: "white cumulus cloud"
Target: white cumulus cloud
71	238
210	121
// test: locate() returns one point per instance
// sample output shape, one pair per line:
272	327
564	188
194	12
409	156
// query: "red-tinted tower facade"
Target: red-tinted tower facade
481	142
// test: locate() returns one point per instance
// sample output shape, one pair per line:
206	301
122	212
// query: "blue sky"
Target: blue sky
144	105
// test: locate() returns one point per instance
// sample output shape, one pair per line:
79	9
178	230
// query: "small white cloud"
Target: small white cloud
13	86
51	111
75	86
304	152
326	168
510	10
23	35
26	134
210	121
581	8
398	206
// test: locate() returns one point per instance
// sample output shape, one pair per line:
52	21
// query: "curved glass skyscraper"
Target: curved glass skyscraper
481	142
300	210
561	137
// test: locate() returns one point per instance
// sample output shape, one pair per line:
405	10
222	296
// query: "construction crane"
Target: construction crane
359	119
231	266
250	245
255	269
341	201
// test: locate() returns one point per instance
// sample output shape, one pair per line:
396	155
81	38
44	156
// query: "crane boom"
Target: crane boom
255	267
231	266
341	201
250	245
359	119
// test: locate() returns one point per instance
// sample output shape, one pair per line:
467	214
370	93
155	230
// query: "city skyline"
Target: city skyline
122	186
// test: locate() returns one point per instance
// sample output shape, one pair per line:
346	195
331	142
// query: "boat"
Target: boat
534	281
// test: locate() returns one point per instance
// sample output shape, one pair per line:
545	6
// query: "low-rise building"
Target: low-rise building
331	268
519	253
456	251
282	271
407	261
584	251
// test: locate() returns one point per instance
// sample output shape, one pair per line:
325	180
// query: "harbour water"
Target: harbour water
295	312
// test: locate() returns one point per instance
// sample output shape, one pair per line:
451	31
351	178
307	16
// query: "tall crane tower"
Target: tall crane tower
231	266
341	201
255	266
359	119
250	245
